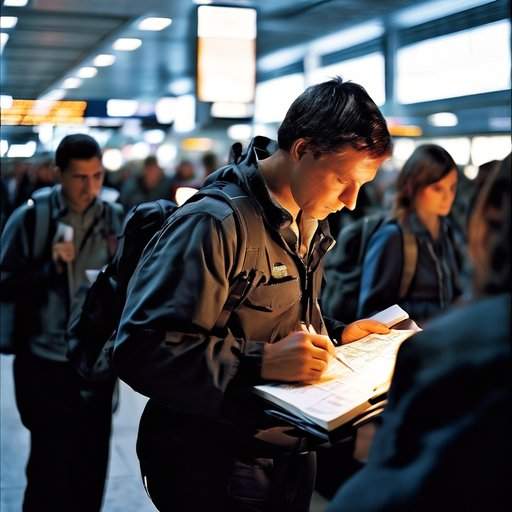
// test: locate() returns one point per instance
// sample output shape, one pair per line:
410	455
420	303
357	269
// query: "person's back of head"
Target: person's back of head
210	162
185	171
333	115
428	164
490	233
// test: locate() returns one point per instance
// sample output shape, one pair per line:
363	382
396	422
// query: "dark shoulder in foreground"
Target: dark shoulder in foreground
474	327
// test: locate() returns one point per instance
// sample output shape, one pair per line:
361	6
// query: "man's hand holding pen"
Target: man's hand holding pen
304	355
299	357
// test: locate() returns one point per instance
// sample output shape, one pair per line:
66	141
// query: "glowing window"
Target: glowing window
367	71
468	62
274	97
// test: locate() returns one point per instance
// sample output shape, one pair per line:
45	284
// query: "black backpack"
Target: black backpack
92	332
343	266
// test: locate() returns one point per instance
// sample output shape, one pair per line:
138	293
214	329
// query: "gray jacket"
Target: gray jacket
45	297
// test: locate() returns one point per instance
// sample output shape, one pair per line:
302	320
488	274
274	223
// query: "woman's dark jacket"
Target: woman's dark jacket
435	284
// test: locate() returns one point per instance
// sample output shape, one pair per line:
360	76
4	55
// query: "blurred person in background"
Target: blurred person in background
426	189
5	204
19	184
210	162
184	176
150	185
69	420
444	442
45	174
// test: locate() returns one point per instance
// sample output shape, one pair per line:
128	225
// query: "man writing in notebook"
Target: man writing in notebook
201	443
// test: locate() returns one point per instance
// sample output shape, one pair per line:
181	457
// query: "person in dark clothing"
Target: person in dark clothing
426	190
151	185
5	204
204	443
444	443
184	176
69	420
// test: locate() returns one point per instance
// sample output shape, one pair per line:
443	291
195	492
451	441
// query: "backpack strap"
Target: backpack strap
410	258
251	236
42	219
114	213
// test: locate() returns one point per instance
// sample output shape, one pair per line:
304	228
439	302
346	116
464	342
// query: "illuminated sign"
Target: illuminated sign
398	130
226	54
35	112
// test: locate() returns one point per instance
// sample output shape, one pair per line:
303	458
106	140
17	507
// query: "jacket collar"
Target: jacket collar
419	229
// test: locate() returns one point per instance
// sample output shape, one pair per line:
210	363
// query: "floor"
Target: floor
124	492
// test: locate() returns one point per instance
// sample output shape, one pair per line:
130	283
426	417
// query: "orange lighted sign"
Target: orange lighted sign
35	112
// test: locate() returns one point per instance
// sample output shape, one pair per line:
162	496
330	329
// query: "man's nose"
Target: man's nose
349	197
88	185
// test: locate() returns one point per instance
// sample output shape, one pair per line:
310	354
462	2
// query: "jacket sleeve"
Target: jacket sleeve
381	271
449	397
19	273
167	345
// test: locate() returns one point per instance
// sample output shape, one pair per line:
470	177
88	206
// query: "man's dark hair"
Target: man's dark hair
150	161
493	208
76	147
333	115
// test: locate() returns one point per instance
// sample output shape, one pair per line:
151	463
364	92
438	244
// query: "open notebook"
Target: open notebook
352	382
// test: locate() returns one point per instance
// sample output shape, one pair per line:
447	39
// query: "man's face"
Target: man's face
82	182
152	174
332	181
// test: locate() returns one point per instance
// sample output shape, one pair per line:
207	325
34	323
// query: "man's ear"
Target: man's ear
298	149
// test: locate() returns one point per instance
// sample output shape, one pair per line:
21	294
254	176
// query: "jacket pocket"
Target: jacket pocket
275	296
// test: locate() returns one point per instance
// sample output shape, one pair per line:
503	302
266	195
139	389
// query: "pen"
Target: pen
344	363
311	330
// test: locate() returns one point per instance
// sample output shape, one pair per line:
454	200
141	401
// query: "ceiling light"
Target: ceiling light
165	110
181	86
4	37
122	108
104	59
166	153
127	44
54	95
231	110
87	72
154	136
5	101
443	119
154	24
4	146
140	150
112	159
22	150
185	114
72	83
8	21
15	3
239	131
